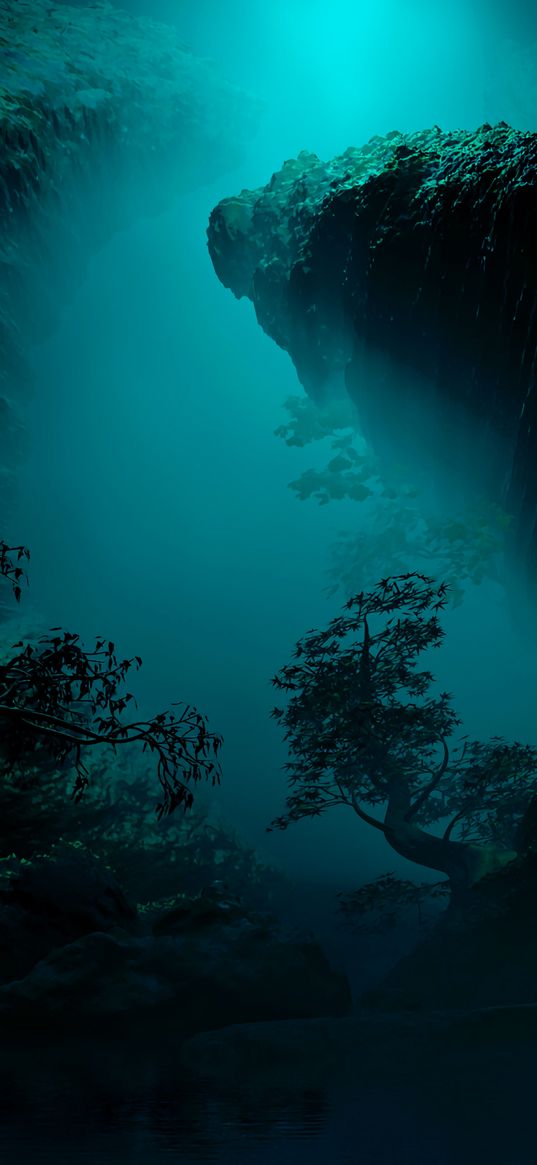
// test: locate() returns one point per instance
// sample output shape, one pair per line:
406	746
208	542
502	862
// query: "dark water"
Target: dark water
108	1107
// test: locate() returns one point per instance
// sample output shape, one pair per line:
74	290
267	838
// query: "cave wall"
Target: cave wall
103	117
408	267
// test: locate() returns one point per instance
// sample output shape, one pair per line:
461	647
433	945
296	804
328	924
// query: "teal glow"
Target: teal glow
227	567
334	73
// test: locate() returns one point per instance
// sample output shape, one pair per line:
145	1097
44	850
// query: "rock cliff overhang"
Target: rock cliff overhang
103	117
408	266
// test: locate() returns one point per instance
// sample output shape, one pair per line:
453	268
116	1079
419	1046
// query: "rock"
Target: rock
51	901
482	952
73	889
289	1051
206	979
390	1050
104	116
406	271
211	905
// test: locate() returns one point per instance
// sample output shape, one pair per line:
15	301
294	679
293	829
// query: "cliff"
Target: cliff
103	117
407	269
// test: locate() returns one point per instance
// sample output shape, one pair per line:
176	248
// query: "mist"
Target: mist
154	495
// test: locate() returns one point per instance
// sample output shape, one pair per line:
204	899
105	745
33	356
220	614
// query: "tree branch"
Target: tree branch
426	792
366	816
449	829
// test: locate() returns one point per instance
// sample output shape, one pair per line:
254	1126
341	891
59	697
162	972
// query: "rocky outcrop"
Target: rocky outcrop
388	1049
190	982
50	902
103	117
481	953
74	953
407	268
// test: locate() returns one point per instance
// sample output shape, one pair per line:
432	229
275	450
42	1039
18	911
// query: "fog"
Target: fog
155	497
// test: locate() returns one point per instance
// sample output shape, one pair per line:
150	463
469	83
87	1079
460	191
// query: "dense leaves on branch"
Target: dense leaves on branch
378	905
349	731
115	822
10	566
58	697
367	729
396	526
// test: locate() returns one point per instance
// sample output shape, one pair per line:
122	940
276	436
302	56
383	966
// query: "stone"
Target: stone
386	1050
404	272
482	953
104	117
52	901
212	977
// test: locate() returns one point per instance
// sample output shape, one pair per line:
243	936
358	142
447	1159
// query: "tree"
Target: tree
115	822
367	731
58	698
399	525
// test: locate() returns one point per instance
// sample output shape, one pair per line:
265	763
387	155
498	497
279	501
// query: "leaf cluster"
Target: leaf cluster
152	859
307	423
363	723
399	526
60	697
464	548
10	566
378	905
359	714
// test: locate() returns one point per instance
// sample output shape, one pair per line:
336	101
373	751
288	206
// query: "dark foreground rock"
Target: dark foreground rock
482	952
214	975
48	903
407	269
392	1048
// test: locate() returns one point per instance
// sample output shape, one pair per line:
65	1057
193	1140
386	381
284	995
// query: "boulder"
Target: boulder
386	1050
211	977
51	901
481	953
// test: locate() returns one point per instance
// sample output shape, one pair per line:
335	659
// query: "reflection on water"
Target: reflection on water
184	1125
103	1106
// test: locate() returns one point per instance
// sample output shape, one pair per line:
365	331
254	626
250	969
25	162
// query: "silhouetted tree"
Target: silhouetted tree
366	731
58	698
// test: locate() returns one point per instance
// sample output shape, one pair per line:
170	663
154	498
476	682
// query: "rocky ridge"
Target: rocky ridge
405	269
103	117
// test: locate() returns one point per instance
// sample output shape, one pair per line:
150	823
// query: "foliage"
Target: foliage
377	905
466	547
400	527
497	783
59	697
11	568
347	729
50	692
37	808
308	423
366	730
179	854
152	859
354	470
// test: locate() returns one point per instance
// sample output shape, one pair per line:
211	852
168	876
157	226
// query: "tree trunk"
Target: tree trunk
465	863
